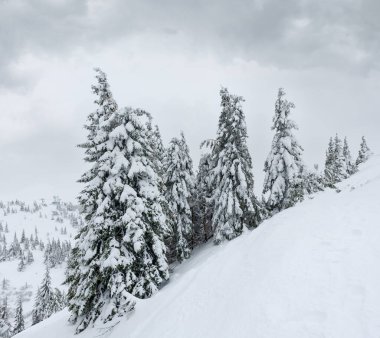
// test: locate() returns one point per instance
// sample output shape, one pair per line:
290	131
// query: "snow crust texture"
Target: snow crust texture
309	271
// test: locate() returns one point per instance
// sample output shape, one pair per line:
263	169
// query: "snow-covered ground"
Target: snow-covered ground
49	220
310	271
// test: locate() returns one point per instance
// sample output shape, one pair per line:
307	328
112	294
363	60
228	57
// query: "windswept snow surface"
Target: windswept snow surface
310	271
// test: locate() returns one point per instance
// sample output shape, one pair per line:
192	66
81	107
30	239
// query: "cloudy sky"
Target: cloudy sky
171	58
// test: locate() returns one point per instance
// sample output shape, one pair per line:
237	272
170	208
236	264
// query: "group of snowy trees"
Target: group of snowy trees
19	249
339	164
55	252
6	328
64	210
48	300
144	207
287	178
15	206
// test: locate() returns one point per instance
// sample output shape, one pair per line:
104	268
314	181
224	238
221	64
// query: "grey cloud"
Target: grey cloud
284	34
37	27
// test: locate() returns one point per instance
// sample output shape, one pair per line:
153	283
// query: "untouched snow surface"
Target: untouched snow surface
310	271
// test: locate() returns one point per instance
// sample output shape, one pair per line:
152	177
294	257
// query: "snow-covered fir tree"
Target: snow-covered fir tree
119	253
44	298
364	152
30	258
202	209
21	264
47	301
159	148
336	168
179	182
340	171
350	166
89	200
308	183
5	326
59	301
159	152
22	236
94	147
15	248
284	162
19	324
235	207
329	165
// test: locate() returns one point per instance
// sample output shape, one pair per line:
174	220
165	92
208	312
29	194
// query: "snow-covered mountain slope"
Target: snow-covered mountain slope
42	221
310	271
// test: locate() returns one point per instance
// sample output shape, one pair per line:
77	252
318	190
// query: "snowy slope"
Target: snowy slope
46	219
310	271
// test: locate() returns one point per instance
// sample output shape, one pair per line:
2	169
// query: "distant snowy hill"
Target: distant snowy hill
310	271
42	223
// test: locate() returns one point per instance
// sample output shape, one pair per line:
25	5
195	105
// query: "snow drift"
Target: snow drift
310	271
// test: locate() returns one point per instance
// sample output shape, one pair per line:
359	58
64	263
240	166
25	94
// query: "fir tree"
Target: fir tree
5	284
203	192
30	258
45	302
26	244
364	152
159	151
21	264
284	164
329	165
94	147
19	324
5	326
349	165
159	148
336	168
22	236
340	172
179	182
59	301
309	182
119	252
15	248
234	205
36	313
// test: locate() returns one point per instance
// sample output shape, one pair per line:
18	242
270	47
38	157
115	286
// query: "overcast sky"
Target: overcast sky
171	58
